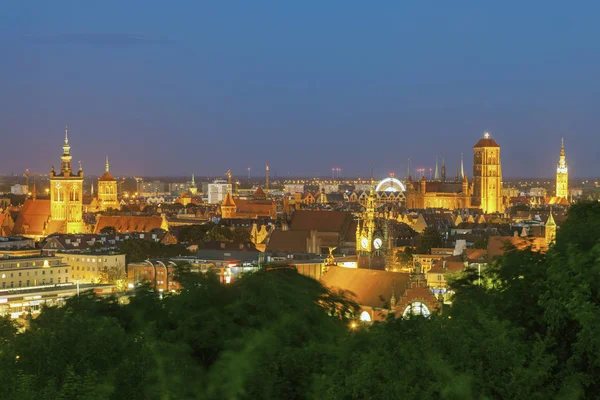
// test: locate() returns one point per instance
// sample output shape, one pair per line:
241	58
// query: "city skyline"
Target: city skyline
204	89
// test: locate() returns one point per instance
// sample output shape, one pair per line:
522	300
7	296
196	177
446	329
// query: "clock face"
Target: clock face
364	243
377	243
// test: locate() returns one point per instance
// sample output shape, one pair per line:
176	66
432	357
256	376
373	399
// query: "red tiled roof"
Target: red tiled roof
497	244
288	241
106	177
371	288
448	264
486	143
32	217
259	193
228	201
322	221
129	223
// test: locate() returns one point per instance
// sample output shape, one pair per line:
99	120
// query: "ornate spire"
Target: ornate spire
107	166
562	147
66	156
462	167
436	177
193	180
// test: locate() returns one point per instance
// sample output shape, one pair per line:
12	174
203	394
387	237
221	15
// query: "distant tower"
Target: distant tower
193	189
267	180
107	190
462	167
550	229
487	176
228	207
562	174
436	177
408	177
443	170
66	193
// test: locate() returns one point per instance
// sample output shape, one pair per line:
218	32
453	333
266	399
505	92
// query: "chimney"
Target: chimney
267	179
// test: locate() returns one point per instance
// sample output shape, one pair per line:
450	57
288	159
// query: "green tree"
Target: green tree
404	258
429	238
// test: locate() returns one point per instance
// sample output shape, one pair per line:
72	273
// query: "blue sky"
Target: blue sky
181	87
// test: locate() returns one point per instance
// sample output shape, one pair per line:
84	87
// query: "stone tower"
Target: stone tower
66	193
562	174
107	190
487	176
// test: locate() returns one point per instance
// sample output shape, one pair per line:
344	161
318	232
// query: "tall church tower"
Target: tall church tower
107	190
562	174
66	193
487	176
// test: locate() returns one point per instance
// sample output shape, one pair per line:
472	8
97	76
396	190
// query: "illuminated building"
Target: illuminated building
487	176
258	206
193	189
66	193
217	191
438	194
107	190
562	174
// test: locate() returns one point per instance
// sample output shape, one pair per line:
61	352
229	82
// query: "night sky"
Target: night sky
167	88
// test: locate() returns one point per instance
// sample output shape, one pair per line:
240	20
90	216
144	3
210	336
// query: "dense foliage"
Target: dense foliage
138	250
530	330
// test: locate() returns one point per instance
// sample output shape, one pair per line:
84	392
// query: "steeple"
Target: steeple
107	166
443	170
193	180
408	177
462	167
562	173
550	229
66	156
436	177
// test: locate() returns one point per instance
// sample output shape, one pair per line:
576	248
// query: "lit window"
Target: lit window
416	308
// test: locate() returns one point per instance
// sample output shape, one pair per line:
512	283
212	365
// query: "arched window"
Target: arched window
365	317
416	308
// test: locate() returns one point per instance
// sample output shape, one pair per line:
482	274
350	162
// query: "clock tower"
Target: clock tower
370	241
66	193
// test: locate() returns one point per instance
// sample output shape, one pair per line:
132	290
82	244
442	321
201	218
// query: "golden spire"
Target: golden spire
107	166
67	134
562	147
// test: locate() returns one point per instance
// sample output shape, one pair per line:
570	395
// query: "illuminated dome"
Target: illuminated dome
390	185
